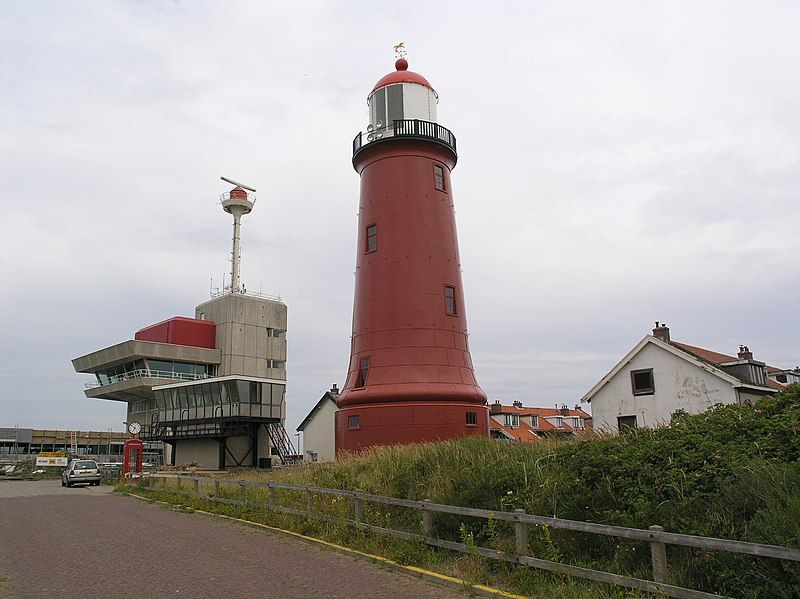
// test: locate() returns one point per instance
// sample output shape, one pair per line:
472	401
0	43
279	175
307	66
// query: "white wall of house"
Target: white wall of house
319	434
679	385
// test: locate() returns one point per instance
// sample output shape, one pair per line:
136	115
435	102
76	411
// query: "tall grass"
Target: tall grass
732	472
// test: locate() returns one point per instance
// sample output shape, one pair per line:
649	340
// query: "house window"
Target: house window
276	364
277	333
371	239
560	422
438	177
472	418
534	420
781	378
642	382
363	371
354	422
576	423
512	420
626	423
450	300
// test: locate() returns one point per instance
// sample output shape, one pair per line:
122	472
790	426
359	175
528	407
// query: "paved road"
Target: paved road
85	542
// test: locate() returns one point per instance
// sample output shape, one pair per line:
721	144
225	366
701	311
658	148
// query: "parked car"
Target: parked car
81	471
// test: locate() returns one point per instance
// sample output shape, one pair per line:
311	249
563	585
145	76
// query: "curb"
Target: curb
422	573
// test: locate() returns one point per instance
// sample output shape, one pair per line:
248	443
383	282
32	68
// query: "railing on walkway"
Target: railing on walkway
407	128
147	373
655	536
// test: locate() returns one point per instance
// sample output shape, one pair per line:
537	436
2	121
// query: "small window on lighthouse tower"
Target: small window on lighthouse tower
371	239
438	177
450	300
363	371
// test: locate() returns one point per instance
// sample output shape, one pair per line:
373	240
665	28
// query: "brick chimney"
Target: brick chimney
496	407
661	332
517	404
334	390
564	410
745	353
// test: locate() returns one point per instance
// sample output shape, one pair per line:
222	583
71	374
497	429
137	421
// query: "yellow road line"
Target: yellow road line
377	558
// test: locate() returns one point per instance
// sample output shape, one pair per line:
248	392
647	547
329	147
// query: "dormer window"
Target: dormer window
511	420
534	420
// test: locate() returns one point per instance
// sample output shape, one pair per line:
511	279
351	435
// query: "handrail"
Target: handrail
147	373
415	128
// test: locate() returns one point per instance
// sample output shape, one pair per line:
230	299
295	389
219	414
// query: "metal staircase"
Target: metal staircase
281	442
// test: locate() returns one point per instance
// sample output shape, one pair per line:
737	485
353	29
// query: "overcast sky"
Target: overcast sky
619	163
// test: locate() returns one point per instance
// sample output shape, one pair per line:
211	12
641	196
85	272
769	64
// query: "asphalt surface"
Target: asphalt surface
85	542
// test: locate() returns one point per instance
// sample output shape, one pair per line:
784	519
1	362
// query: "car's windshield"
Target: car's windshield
84	465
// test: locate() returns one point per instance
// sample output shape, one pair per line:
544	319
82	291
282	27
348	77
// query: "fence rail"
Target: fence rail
655	536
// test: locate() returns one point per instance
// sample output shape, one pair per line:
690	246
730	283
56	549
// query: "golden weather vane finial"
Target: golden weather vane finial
400	50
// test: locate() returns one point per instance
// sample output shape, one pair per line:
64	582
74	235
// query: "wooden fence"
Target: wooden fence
655	536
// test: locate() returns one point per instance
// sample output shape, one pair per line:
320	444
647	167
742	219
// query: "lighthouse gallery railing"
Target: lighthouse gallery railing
407	128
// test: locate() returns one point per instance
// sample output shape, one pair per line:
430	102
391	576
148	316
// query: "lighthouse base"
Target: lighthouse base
360	427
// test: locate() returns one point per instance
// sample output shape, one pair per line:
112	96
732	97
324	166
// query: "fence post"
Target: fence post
179	484
241	491
427	521
273	496
309	502
216	489
521	534
658	554
196	486
358	508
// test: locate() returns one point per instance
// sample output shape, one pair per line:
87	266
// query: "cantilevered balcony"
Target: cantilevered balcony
408	128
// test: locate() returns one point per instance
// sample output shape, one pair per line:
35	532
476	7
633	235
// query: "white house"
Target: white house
319	429
660	376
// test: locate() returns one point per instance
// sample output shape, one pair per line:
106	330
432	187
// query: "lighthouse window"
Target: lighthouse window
363	371
379	106
353	422
450	300
394	103
438	177
472	418
372	239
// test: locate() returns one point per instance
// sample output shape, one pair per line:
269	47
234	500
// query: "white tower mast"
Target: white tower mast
237	202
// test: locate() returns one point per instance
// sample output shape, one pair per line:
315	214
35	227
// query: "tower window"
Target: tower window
353	422
450	300
472	418
363	371
438	177
372	239
642	382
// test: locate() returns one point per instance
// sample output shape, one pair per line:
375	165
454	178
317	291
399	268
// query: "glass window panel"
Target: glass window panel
159	365
182	399
379	101
394	99
244	391
184	368
215	400
225	396
232	392
254	395
191	402
266	395
278	391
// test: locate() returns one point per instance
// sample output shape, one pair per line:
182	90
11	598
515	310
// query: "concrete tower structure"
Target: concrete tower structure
410	377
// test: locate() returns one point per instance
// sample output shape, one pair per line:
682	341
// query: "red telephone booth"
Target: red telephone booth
132	456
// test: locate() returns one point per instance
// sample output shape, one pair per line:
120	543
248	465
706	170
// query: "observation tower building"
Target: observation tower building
410	377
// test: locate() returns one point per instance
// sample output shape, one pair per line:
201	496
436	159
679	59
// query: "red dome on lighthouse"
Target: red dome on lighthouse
402	75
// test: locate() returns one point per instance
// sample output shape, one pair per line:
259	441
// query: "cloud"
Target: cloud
618	164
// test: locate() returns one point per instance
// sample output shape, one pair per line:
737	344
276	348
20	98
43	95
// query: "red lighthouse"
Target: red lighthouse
410	377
